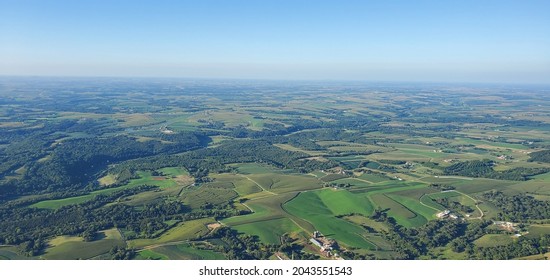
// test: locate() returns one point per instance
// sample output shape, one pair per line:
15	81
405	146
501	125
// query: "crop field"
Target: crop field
183	251
331	177
309	206
151	255
414	205
342	202
399	212
269	231
268	208
420	150
243	186
478	185
427	200
280	183
536	186
373	178
261	212
213	194
181	232
366	221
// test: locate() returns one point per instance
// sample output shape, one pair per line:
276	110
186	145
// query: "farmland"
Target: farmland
182	169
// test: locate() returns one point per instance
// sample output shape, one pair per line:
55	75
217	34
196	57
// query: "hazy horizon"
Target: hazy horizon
397	41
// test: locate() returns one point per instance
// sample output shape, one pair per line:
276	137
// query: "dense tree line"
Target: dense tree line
441	187
540	156
522	247
484	169
518	208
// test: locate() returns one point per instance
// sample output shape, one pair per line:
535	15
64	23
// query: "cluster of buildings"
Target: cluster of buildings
165	130
447	214
510	227
326	245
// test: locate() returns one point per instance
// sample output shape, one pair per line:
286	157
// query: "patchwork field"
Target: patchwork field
310	206
267	159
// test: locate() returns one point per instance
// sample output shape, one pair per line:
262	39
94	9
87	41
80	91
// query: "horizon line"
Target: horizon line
317	80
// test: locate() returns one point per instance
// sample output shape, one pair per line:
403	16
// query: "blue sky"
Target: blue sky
449	41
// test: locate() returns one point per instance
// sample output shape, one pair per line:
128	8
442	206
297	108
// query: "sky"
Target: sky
390	40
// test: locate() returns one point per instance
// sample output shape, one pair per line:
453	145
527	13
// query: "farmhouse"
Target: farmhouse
443	214
508	226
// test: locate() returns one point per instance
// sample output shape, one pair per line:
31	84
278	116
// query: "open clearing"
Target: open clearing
70	248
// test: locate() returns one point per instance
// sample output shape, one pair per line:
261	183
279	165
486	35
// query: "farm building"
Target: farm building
443	214
316	242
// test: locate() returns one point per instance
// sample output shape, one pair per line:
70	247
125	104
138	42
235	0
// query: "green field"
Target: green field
267	208
342	202
243	186
494	240
373	178
415	206
10	253
399	212
280	183
538	230
183	251
269	231
182	232
70	248
332	177
309	206
426	199
145	179
151	255
213	193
